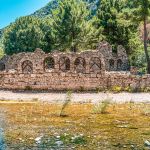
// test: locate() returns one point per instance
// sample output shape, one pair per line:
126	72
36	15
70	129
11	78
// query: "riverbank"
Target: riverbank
76	97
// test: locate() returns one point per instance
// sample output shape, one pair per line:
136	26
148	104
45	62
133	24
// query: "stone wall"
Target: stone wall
66	81
89	61
87	70
114	61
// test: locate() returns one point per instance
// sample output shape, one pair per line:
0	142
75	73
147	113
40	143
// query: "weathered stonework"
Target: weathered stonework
61	71
113	61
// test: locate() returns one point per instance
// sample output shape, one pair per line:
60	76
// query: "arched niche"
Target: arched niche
49	63
111	64
80	65
64	64
119	64
95	64
2	66
27	67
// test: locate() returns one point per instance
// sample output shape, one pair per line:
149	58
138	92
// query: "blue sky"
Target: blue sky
12	9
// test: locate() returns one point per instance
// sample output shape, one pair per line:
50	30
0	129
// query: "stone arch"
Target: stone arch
64	64
27	67
95	64
119	64
80	65
111	64
49	63
2	66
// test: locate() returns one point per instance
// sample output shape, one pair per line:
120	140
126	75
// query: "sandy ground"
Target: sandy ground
76	97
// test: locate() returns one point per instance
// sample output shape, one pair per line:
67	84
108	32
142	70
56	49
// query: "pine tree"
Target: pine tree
25	35
141	12
48	42
111	17
72	26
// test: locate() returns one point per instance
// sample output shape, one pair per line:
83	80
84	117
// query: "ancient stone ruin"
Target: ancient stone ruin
88	70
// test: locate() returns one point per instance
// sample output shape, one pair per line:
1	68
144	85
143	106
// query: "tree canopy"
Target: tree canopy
77	25
73	27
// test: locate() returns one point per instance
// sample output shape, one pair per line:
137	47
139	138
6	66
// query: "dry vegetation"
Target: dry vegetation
38	126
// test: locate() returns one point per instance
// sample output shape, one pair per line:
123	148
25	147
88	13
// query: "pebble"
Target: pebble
38	139
58	137
147	143
59	143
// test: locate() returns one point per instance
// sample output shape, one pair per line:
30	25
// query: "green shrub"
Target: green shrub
1	52
147	89
101	107
128	89
132	89
79	140
146	110
66	103
135	89
116	89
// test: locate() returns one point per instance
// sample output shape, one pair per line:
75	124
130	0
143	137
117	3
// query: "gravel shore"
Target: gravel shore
76	97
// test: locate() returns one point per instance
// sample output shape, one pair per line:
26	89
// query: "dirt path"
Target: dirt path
76	97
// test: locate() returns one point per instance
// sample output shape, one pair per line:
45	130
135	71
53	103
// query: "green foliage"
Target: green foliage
93	5
66	103
53	4
113	18
147	89
79	140
1	47
128	89
1	52
116	89
139	8
26	34
146	110
72	26
141	12
46	11
101	107
75	25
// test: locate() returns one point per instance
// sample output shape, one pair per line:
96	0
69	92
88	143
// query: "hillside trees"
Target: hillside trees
46	11
26	34
1	48
141	12
48	41
69	28
1	44
113	18
73	27
93	5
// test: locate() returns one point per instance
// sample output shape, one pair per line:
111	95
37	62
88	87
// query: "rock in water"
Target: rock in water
147	143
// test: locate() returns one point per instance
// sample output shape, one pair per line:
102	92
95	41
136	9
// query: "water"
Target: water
2	141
